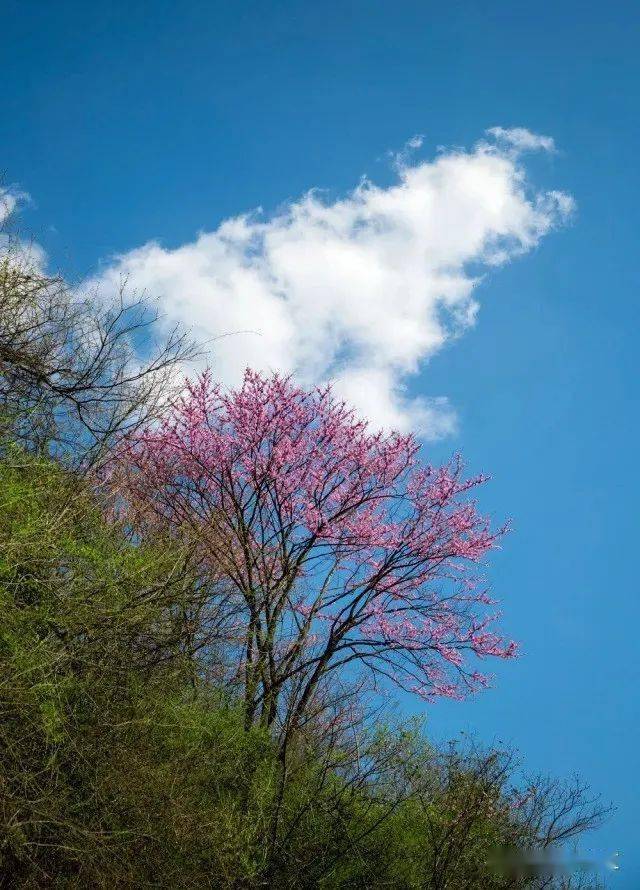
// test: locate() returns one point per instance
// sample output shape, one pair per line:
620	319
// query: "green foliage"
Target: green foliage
113	769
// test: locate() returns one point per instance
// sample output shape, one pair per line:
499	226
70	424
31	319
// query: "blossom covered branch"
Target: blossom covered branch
344	550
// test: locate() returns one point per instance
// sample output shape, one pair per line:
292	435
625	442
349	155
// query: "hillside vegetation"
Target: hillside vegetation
162	724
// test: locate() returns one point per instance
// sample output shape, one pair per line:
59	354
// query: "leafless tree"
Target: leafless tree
71	379
538	821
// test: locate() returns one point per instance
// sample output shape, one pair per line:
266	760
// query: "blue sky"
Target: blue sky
128	122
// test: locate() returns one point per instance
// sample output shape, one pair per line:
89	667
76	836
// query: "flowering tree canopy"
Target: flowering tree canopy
343	550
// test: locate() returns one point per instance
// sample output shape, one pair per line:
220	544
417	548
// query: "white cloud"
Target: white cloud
361	290
522	139
28	253
10	199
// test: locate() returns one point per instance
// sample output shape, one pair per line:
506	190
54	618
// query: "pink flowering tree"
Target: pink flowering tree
344	553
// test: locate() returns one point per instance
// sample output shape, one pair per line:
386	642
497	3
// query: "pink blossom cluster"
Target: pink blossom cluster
323	525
